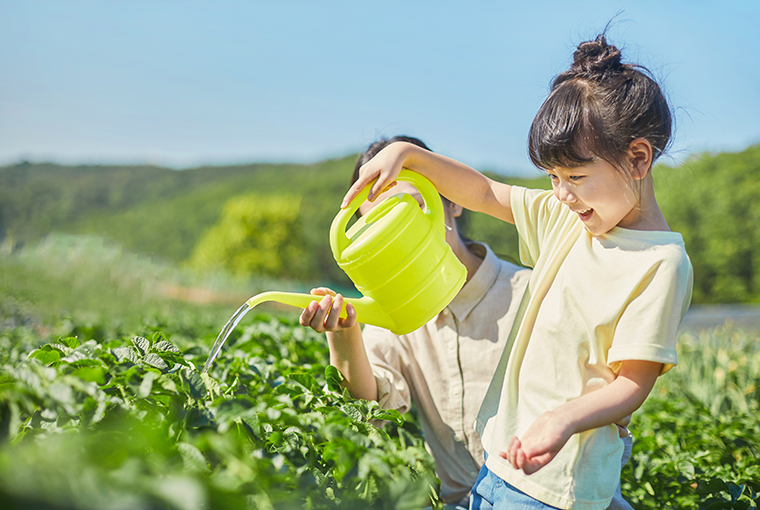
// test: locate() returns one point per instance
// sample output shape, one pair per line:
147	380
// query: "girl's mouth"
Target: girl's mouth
585	214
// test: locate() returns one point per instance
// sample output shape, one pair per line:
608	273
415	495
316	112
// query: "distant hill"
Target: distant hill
153	210
711	199
164	212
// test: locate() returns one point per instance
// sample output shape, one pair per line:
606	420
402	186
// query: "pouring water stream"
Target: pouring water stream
225	332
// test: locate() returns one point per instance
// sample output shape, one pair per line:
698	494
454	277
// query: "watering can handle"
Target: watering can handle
339	241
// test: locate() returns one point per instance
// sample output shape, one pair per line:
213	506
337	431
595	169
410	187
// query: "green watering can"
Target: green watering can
397	257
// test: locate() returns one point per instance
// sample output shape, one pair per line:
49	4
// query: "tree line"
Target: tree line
274	220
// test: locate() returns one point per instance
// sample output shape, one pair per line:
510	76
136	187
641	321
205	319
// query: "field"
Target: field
103	405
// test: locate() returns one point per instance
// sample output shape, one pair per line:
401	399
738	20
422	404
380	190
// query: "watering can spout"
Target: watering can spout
368	311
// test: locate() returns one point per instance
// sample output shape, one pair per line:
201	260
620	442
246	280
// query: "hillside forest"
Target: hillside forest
235	218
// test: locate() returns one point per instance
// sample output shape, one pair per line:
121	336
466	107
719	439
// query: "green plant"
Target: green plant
722	239
697	437
253	228
131	423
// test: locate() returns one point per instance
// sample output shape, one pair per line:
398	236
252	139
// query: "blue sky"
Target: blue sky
184	83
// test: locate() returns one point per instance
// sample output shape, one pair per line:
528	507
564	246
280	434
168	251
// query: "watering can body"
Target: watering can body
397	257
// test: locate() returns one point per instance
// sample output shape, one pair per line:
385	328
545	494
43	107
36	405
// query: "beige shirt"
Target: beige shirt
445	367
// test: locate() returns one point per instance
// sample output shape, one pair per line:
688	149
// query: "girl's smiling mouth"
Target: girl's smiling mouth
584	214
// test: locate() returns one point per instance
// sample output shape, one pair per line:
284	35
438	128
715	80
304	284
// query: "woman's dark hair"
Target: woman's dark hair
596	109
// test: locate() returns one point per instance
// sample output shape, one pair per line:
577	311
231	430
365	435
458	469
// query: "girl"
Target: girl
444	367
609	287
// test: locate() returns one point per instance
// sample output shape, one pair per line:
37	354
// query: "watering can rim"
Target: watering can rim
339	241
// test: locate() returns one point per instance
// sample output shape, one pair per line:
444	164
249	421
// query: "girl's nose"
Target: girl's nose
564	195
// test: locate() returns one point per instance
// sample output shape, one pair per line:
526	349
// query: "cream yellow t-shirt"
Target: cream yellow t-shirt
592	302
445	367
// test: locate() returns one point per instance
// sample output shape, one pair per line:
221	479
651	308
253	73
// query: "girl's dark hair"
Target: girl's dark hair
596	109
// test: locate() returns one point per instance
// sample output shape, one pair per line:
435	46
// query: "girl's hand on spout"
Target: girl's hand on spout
324	315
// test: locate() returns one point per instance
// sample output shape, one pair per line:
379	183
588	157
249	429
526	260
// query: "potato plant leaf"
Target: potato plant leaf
165	346
142	344
126	354
70	341
195	383
46	355
155	360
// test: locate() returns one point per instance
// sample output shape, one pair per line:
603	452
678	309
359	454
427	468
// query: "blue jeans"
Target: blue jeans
491	492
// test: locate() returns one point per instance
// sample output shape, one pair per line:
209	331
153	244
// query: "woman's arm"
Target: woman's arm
549	433
454	180
344	338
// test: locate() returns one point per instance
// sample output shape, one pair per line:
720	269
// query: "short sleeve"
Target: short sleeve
382	348
539	217
648	327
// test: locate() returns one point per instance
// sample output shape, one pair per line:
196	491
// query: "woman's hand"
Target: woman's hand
324	315
344	339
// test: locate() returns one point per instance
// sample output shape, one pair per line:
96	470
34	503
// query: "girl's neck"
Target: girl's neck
649	217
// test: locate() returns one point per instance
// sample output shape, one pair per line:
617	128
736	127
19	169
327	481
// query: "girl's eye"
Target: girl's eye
552	177
576	178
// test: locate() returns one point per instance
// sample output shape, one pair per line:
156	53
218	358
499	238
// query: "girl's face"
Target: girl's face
599	194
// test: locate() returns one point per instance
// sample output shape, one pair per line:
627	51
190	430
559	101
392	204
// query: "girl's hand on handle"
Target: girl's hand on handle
324	315
384	168
454	180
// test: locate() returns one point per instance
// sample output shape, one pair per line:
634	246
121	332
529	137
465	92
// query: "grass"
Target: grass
91	280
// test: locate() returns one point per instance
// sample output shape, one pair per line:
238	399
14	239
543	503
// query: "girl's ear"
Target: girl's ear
640	151
456	209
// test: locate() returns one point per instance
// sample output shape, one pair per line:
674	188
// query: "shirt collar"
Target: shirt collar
475	289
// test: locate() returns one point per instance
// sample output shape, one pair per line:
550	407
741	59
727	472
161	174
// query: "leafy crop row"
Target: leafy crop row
106	421
697	437
130	423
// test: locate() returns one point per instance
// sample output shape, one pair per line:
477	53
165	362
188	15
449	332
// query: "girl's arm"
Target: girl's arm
456	181
549	433
344	338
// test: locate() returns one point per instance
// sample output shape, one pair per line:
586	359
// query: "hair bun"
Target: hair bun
596	57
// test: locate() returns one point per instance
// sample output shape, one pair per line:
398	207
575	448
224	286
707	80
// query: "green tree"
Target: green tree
712	201
256	235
